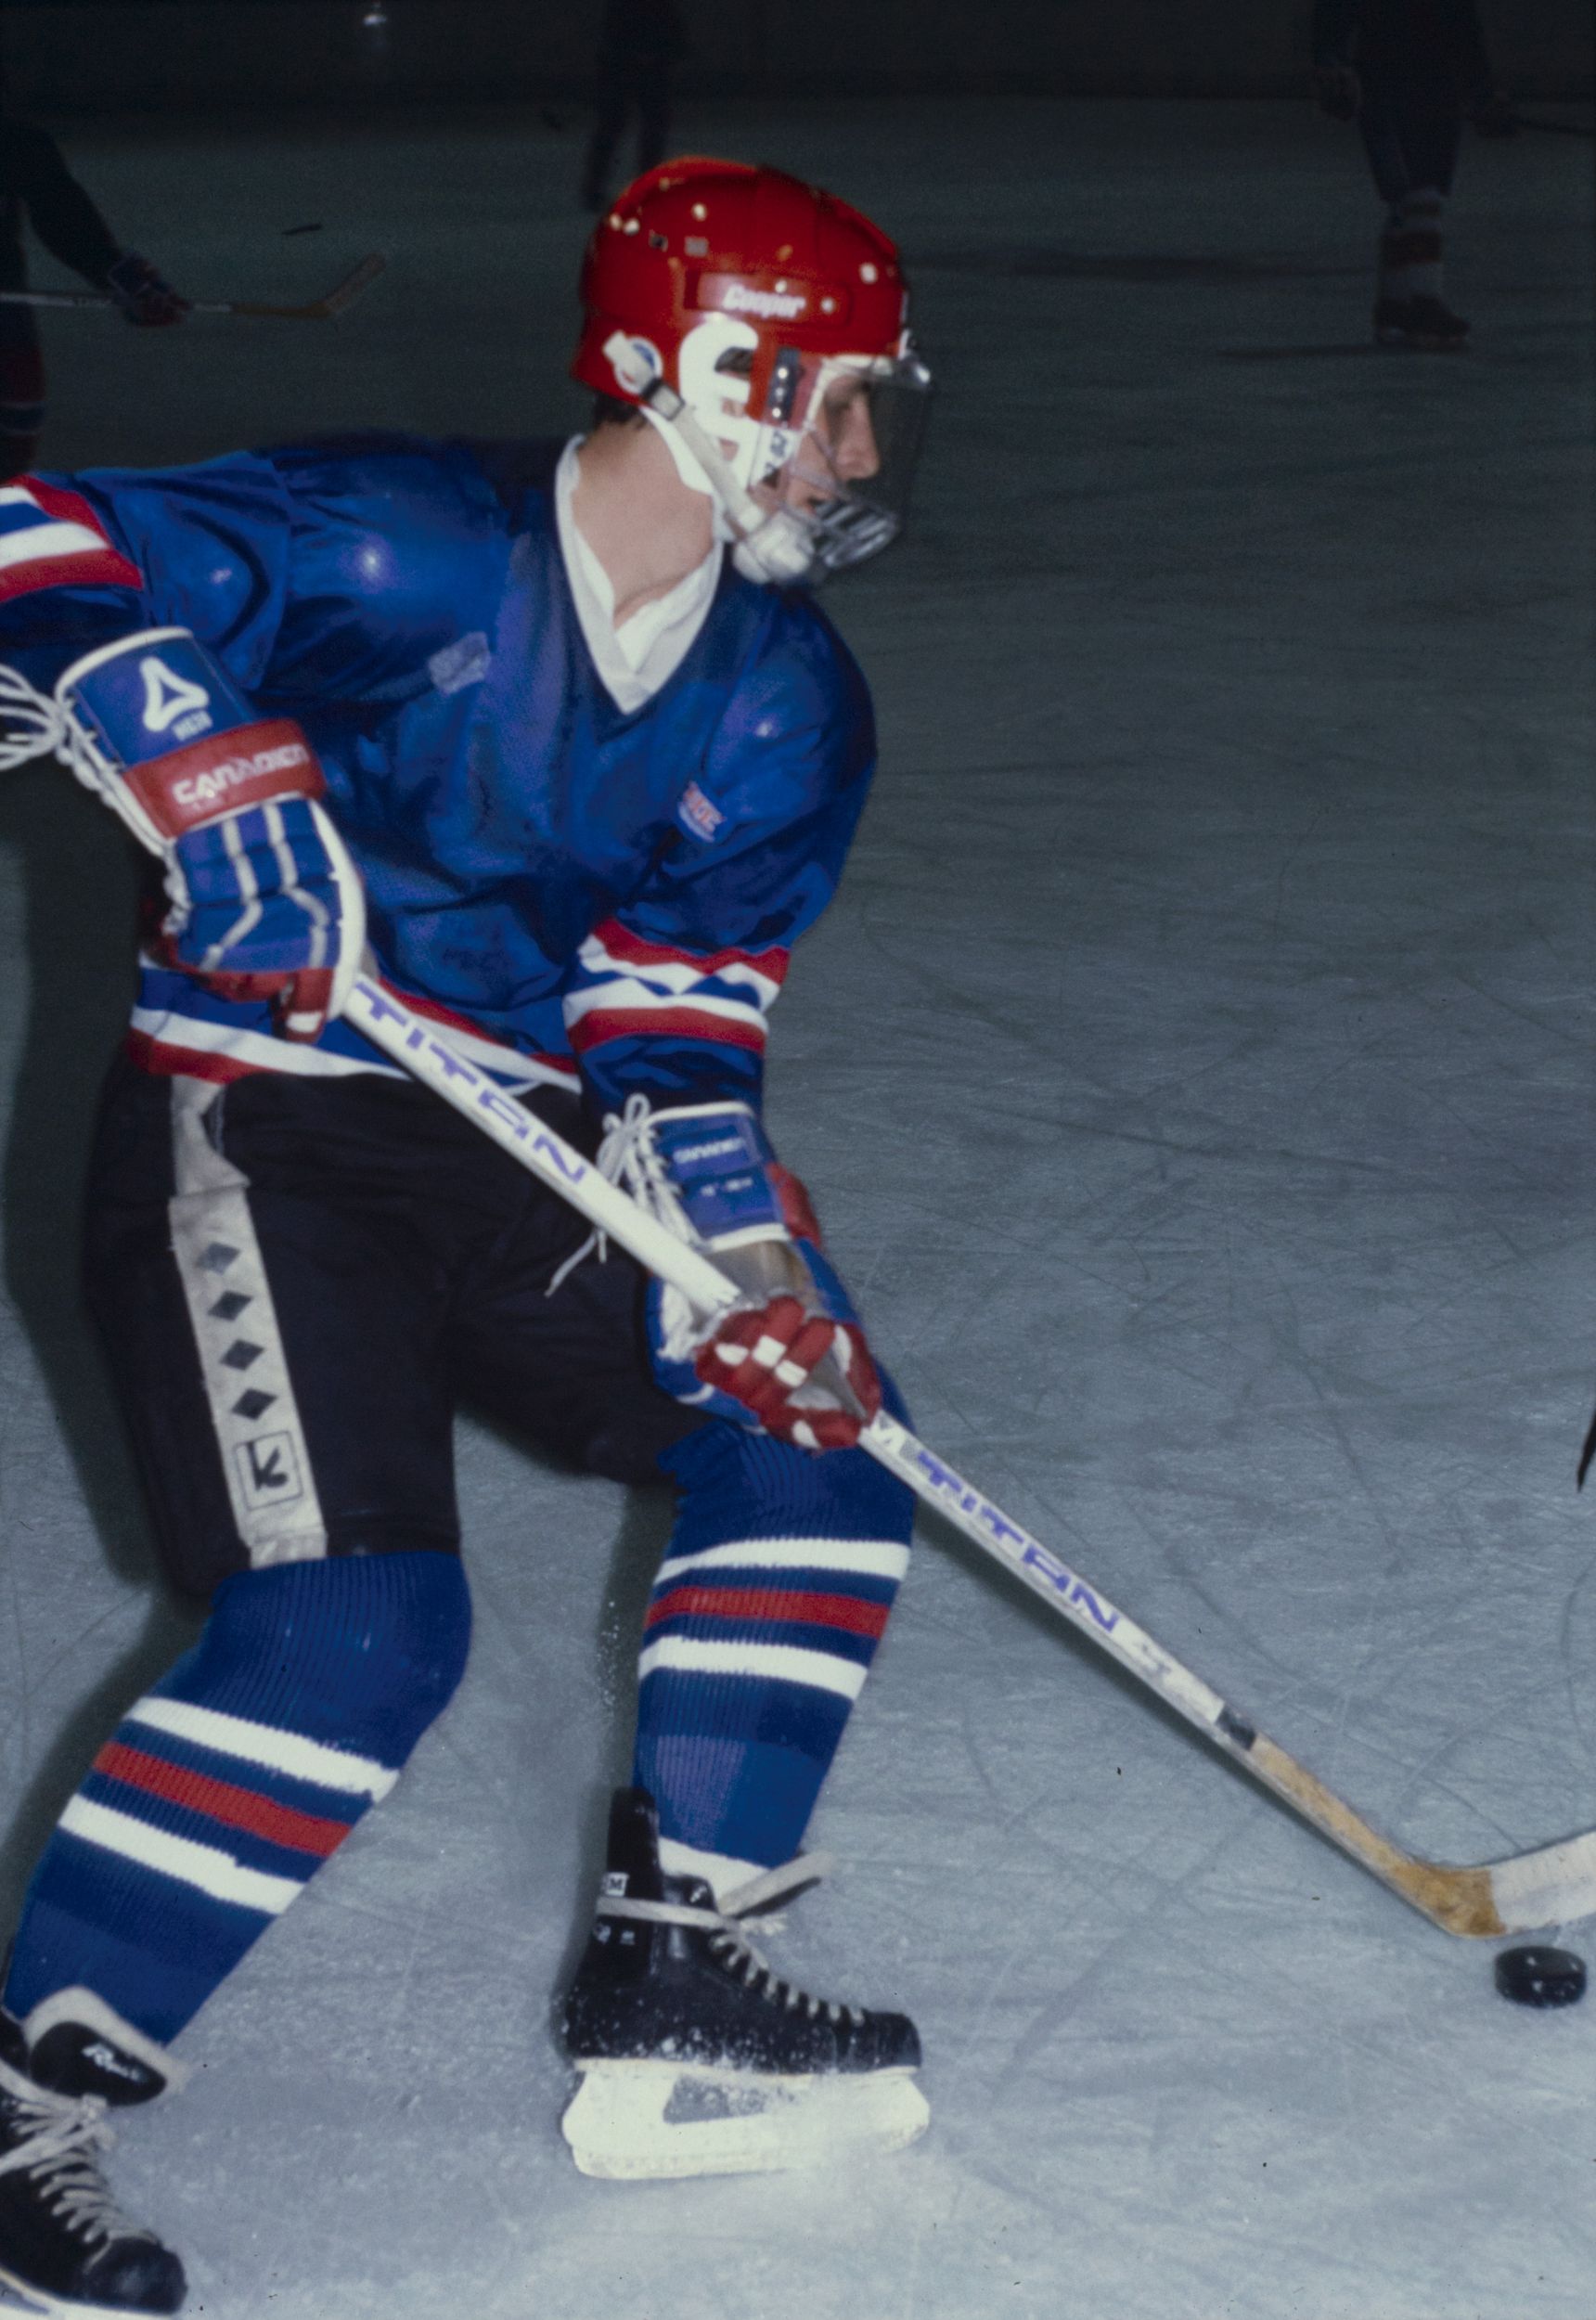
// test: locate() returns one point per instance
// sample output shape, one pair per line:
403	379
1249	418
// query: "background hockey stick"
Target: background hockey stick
327	309
1552	1886
1554	128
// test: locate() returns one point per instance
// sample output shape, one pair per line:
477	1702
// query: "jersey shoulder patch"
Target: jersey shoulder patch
51	539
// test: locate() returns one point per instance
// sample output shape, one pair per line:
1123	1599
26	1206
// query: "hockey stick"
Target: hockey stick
341	295
1552	1886
1554	128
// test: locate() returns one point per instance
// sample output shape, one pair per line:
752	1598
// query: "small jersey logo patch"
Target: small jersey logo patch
466	662
51	539
696	815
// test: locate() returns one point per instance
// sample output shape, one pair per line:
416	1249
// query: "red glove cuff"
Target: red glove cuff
251	765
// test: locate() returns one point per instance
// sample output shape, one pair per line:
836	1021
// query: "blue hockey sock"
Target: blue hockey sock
223	1790
764	1618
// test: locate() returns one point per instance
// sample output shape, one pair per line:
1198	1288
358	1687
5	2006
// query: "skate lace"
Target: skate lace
728	1928
629	1153
62	2136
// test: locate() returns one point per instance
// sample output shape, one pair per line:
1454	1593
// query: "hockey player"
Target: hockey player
1406	70
37	189
553	730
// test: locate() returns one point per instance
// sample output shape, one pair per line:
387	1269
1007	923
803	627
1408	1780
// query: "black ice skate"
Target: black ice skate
696	2059
65	2248
1423	325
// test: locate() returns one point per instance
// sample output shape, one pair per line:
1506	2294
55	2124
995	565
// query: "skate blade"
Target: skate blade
19	2297
630	2122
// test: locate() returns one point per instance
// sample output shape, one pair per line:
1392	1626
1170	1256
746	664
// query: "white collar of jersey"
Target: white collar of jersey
636	659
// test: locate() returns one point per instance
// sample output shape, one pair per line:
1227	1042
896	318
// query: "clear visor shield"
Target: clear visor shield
839	450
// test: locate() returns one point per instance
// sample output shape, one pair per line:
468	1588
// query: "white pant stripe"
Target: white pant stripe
242	1362
263	1744
870	1558
214	1873
762	1663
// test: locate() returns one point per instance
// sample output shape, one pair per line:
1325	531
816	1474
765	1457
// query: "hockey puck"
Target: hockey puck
1535	1977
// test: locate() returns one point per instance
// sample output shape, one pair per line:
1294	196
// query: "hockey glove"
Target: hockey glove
790	1357
146	297
265	902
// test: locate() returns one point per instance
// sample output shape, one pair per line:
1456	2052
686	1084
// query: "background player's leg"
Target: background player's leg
22	391
1380	126
613	99
1430	130
653	94
1410	133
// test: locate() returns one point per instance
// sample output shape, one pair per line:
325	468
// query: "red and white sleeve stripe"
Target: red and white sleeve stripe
51	539
624	986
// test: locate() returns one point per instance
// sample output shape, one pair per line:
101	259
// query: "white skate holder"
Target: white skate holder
1555	1884
631	2122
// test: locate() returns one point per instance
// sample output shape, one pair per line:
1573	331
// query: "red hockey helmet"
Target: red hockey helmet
753	316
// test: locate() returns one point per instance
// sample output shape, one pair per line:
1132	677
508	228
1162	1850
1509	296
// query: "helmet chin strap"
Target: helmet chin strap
769	545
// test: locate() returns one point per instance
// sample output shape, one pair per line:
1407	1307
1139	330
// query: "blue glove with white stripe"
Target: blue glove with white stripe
265	902
258	910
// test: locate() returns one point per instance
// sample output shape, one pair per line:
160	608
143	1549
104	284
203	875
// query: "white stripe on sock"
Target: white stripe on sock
870	1558
760	1663
263	1744
214	1873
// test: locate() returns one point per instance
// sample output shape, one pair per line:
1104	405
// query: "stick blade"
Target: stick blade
1556	1885
343	294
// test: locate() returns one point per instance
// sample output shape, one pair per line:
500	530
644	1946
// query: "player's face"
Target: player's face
838	447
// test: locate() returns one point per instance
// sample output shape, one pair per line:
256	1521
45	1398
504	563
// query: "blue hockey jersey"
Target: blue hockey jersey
573	888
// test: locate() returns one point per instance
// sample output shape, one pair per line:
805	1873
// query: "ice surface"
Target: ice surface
1196	1075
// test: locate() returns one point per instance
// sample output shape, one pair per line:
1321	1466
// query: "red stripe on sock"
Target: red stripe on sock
683	1022
759	1603
238	1808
